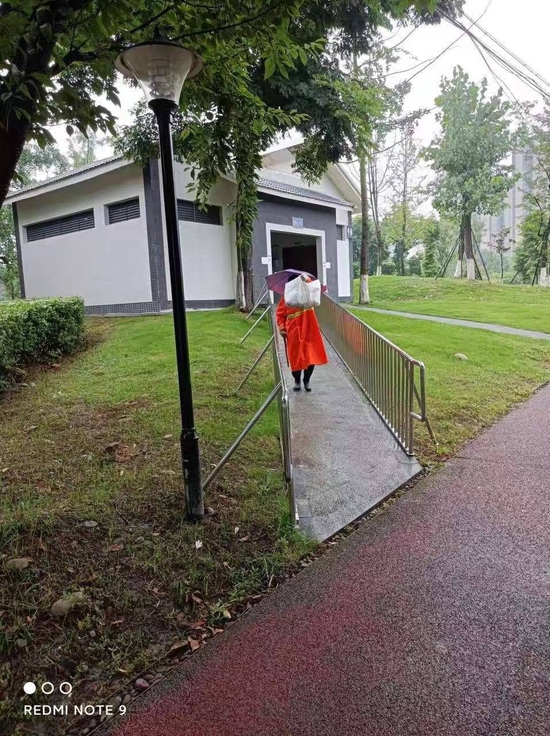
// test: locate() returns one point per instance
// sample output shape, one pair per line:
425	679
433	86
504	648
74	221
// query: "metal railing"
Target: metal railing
390	378
284	412
279	391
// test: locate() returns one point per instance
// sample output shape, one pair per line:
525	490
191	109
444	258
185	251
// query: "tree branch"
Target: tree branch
217	29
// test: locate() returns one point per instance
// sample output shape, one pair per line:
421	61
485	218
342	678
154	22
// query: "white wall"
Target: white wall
342	251
108	264
208	251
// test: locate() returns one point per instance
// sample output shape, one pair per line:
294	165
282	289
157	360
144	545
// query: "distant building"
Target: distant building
514	213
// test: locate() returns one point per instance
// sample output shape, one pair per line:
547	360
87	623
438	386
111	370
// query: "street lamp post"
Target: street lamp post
160	68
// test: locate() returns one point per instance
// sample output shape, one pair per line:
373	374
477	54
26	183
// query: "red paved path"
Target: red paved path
431	620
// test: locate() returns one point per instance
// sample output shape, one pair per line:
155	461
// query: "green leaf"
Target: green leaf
270	66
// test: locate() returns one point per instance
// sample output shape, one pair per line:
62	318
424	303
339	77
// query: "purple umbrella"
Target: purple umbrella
276	282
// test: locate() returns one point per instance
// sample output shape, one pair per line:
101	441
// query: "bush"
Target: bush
34	331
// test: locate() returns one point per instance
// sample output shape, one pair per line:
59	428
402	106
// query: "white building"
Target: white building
97	232
514	212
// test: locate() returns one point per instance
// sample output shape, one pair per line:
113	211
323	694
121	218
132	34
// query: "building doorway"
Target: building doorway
295	250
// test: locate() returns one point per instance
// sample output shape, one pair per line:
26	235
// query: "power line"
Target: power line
447	48
397	45
503	63
509	51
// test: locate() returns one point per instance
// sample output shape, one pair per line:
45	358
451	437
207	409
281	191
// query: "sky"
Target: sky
522	27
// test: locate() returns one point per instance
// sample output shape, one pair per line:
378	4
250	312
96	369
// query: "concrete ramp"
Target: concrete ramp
345	459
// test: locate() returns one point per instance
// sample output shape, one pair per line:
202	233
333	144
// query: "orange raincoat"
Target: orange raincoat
304	339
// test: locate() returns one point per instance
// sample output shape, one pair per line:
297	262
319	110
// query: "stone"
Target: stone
21	643
149	678
17	563
461	356
115	702
90	524
65	604
126	699
141	684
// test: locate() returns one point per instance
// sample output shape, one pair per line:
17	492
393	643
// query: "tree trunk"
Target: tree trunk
458	269
12	142
364	297
468	248
244	296
375	215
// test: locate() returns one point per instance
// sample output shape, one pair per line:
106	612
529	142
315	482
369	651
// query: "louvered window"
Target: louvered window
340	232
191	212
61	226
121	211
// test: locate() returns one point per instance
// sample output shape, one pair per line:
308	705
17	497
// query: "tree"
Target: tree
403	229
408	191
82	149
533	256
502	244
9	270
356	244
35	163
468	156
432	237
57	57
535	234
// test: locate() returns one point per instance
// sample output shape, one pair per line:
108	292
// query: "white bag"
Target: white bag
303	294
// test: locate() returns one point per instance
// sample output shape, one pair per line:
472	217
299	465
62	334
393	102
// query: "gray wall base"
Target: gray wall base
136	309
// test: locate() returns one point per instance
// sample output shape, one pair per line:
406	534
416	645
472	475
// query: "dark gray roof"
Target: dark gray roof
66	175
281	186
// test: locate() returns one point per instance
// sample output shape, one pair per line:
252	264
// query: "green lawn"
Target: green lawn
144	574
465	396
146	578
514	306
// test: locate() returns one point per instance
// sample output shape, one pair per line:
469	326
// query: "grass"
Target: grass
514	306
145	576
464	396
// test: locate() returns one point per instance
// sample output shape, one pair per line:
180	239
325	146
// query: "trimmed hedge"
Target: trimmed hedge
37	330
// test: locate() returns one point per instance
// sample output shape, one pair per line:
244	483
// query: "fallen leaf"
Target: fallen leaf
196	599
116	547
194	644
168	436
117	622
236	530
198	544
244	539
178	647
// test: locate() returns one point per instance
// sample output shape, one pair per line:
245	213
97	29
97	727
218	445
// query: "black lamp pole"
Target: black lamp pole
189	439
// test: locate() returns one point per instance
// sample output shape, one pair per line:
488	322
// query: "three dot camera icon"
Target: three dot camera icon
47	688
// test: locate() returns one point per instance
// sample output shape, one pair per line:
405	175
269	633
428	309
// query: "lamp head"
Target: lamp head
160	68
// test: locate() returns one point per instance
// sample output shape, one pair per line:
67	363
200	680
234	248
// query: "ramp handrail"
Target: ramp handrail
280	391
284	410
391	379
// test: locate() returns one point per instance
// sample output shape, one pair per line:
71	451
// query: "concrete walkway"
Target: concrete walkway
345	459
430	620
461	323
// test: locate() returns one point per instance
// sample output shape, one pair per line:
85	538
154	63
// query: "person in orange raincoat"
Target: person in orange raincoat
305	347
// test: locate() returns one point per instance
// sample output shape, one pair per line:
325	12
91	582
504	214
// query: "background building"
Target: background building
515	209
